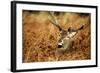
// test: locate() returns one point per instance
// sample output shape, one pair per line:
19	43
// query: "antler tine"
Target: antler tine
53	16
54	21
75	30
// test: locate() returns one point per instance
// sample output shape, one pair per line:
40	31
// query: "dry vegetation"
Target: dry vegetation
40	37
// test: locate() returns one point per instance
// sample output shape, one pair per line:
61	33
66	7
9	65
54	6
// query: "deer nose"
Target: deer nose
59	46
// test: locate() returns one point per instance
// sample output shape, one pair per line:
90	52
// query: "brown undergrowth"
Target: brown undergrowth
40	37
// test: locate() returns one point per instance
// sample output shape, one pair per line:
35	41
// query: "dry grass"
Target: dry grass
40	37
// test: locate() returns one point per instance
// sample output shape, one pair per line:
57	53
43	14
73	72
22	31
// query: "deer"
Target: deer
65	41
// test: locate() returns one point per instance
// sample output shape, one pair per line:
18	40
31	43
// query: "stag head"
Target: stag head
66	38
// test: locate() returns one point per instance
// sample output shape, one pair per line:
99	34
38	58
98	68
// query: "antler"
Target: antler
70	33
54	20
75	30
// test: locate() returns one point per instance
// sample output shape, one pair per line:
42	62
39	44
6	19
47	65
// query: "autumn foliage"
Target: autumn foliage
40	37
